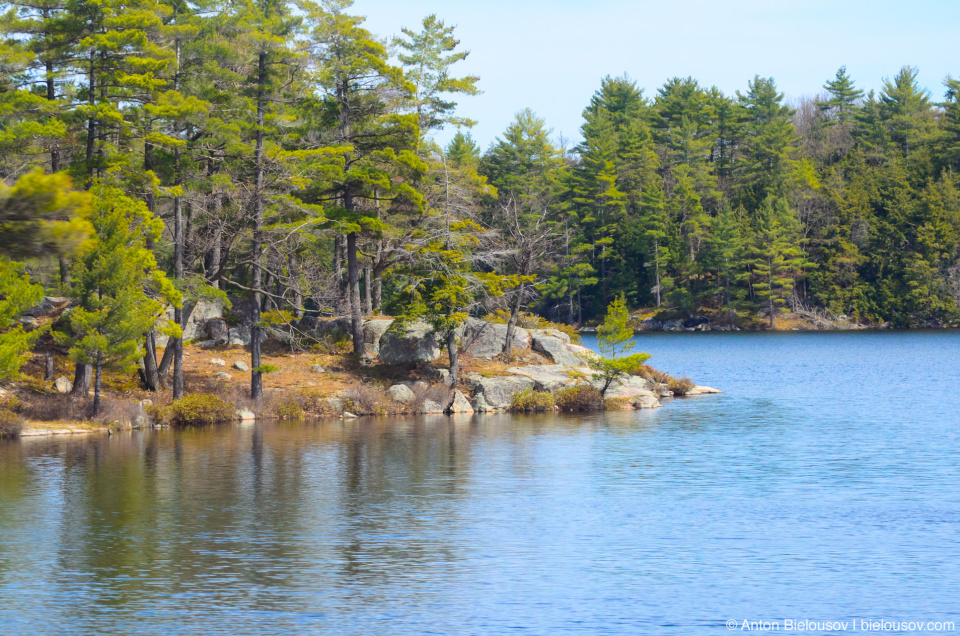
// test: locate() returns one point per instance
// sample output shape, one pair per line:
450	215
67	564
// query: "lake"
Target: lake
823	485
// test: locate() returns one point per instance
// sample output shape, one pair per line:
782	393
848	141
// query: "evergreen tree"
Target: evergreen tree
117	286
844	97
427	58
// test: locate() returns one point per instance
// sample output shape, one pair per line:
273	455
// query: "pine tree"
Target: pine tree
774	260
904	108
377	145
768	141
427	58
117	286
842	104
656	232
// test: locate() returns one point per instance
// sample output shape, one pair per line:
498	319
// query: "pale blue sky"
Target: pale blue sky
550	55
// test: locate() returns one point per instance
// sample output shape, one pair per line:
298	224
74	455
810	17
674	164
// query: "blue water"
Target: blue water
823	485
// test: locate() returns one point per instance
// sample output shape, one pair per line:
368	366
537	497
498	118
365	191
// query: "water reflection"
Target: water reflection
789	498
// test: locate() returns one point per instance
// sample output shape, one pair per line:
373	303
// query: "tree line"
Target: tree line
158	152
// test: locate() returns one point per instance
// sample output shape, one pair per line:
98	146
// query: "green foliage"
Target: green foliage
530	401
200	409
11	423
266	368
615	335
287	407
116	283
16	295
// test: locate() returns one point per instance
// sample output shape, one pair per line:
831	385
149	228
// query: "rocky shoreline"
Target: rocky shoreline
402	372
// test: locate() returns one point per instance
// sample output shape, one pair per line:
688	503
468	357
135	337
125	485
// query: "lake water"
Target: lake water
824	484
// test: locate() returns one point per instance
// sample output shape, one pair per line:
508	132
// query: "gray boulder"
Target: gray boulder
546	377
222	376
645	402
220	362
197	315
553	333
316	368
401	393
460	404
482	339
217	331
557	350
481	405
63	384
429	406
241	366
47	306
417	343
498	391
238	337
335	326
373	330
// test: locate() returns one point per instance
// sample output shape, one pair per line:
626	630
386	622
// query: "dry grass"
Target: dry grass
579	399
680	387
616	404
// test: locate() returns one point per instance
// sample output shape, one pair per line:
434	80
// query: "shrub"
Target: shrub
578	399
287	407
364	399
201	409
11	423
680	387
530	401
660	377
616	404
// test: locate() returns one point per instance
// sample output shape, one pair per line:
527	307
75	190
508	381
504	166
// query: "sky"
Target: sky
550	55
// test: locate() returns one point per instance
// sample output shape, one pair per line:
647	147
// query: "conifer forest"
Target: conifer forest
157	152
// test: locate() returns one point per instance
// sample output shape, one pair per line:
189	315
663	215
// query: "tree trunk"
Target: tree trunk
256	375
570	309
377	291
512	323
293	268
165	362
454	352
96	386
353	280
338	271
367	288
81	381
150	376
50	372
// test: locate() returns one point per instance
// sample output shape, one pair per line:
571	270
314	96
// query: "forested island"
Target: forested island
279	162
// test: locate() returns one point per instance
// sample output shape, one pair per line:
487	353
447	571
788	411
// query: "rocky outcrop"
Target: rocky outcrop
416	343
482	339
546	377
217	331
48	306
373	331
498	391
197	315
553	333
429	406
558	350
460	404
